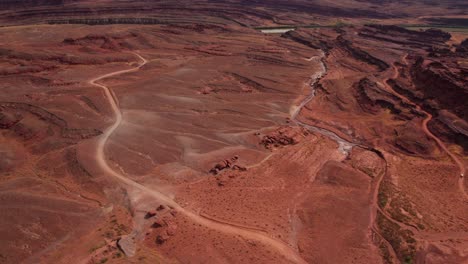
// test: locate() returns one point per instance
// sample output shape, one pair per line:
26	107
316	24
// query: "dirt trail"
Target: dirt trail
283	249
376	209
391	251
345	147
426	130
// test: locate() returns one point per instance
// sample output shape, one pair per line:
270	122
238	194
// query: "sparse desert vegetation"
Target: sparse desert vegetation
179	132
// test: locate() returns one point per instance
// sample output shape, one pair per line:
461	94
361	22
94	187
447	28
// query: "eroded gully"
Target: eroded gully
279	246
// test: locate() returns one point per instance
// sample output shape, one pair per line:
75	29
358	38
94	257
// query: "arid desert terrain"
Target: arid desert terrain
233	131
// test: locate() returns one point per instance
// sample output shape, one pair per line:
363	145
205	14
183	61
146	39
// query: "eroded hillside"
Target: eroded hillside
183	135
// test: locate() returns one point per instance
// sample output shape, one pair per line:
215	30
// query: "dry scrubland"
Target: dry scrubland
202	140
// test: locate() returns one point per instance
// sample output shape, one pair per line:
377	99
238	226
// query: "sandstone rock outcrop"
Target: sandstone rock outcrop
283	136
227	164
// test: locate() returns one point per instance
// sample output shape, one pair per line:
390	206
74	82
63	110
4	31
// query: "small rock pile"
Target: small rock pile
164	225
283	136
227	164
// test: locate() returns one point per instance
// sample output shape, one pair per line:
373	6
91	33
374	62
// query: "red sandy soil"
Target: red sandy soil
379	99
214	143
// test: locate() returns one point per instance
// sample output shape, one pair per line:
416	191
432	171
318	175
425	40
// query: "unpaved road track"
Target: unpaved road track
280	247
426	130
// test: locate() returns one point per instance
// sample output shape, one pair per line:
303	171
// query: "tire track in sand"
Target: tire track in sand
426	130
283	249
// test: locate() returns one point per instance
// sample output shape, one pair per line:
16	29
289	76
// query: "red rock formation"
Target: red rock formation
106	133
283	136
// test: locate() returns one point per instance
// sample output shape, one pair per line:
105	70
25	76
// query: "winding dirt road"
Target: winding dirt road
426	130
376	208
345	147
280	247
